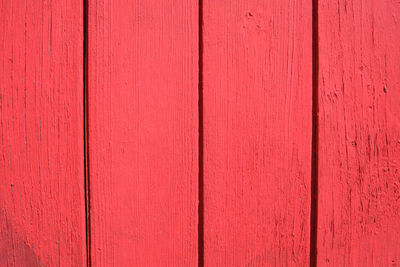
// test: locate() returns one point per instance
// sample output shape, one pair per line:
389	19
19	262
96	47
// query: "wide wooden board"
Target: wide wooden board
257	91
359	133
42	197
143	132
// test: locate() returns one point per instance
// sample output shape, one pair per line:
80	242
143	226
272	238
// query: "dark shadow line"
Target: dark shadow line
315	137
86	131
201	141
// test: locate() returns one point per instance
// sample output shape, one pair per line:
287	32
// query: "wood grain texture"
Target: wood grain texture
42	206
143	132
359	96
257	132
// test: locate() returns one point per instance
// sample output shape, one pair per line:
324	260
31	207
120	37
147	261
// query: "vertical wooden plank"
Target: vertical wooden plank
42	206
359	96
257	132
143	132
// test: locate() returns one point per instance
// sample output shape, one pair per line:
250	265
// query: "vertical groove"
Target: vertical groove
201	143
315	136
86	131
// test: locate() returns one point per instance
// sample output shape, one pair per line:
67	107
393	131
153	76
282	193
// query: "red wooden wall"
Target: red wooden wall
199	133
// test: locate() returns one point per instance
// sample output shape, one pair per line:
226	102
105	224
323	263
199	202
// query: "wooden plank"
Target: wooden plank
359	96
42	204
143	132
257	132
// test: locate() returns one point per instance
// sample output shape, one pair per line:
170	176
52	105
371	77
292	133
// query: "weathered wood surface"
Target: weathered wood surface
257	132
359	155
42	205
143	132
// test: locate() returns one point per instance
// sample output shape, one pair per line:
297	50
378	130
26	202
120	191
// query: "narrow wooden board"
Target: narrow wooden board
143	132
257	132
359	155
42	202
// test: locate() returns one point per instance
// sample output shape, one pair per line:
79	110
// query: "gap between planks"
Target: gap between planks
315	137
86	132
201	142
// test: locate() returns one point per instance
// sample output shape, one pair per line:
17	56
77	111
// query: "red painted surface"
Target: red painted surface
42	210
257	132
143	132
359	96
145	128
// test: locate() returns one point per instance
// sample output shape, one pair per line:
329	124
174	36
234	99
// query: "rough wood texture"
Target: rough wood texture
42	207
359	96
257	132
143	132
